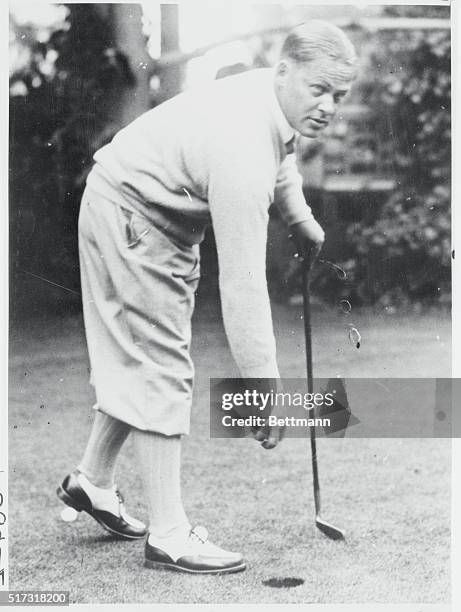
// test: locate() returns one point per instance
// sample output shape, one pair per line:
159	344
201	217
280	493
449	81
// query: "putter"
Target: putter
328	529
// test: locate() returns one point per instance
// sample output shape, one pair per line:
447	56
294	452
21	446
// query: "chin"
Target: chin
310	133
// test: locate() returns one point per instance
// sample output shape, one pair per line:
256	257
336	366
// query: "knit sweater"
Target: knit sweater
219	156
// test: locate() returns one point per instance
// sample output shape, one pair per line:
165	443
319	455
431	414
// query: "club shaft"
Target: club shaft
310	377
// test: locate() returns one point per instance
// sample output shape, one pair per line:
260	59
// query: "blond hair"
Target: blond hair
318	39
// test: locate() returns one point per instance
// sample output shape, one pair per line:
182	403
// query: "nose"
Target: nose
327	104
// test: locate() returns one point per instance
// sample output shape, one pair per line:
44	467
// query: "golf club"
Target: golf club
329	530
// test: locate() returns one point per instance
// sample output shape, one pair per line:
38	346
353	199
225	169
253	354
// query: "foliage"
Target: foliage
62	87
64	92
405	253
398	250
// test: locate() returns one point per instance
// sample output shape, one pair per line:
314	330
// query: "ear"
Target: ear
282	68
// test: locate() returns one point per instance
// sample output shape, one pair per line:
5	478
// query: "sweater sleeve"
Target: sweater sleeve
288	195
242	172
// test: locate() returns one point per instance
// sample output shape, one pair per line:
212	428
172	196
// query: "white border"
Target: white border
456	300
456	330
4	298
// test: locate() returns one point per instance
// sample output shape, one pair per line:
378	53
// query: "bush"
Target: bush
405	254
61	93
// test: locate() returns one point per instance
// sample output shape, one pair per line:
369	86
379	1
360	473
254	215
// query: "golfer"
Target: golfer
218	156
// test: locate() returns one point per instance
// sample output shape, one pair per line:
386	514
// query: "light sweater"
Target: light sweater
219	156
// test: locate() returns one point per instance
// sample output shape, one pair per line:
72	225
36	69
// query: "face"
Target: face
309	93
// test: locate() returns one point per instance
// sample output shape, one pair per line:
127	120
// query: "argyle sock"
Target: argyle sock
159	460
106	439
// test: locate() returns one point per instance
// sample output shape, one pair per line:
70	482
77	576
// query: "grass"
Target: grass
392	496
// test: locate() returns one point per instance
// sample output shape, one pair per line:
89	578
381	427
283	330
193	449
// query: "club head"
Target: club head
329	530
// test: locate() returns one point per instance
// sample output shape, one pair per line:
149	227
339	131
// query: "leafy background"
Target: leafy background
65	91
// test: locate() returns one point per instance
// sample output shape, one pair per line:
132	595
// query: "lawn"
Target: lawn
392	496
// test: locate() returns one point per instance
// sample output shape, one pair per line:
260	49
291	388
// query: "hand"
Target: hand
308	235
268	436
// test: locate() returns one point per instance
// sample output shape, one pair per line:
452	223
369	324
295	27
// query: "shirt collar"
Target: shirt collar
287	133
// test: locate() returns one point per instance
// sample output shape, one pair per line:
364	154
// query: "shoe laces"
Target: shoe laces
199	534
121	506
119	496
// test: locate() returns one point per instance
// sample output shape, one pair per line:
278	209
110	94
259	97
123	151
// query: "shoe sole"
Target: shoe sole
177	568
69	501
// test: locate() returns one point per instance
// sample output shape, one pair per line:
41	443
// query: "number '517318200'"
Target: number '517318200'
2	537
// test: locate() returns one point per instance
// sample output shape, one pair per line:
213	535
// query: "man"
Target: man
218	156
